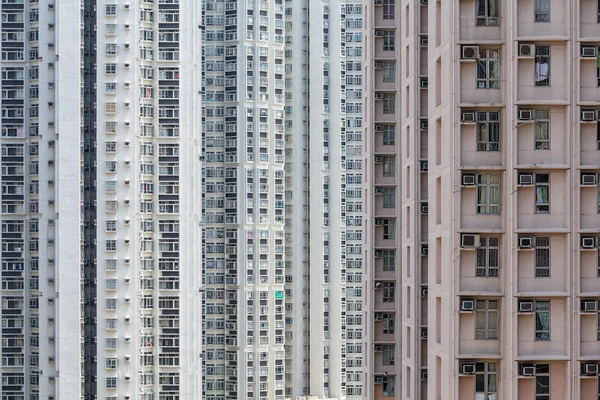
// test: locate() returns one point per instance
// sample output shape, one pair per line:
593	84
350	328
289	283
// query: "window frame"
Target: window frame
389	9
537	123
388	354
484	127
485	62
542	334
485	18
389	197
389	229
389	71
389	135
486	248
483	369
388	292
541	207
388	104
540	371
539	59
389	166
389	260
489	314
389	40
540	14
484	203
542	269
388	326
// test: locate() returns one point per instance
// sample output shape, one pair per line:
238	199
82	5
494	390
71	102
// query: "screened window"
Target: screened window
488	69
542	129
389	135
542	10
488	194
389	9
486	380
542	321
488	255
542	66
542	381
488	130
542	193
486	12
542	257
389	198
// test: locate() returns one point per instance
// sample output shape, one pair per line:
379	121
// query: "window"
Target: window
389	9
389	103
542	257
389	260
542	193
389	386
389	323
542	321
111	304
111	69
486	380
111	383
488	130
488	194
389	229
486	12
389	354
486	319
111	226
542	66
389	197
111	9
542	381
111	245
488	69
542	129
488	254
542	10
389	166
389	71
389	40
389	292
389	135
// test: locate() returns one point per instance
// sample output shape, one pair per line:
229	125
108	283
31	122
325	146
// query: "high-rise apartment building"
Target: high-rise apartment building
496	281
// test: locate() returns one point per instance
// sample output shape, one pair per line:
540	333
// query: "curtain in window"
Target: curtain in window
541	195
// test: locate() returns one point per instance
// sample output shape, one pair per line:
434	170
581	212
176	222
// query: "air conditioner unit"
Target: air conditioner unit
378	33
378	2
589	306
470	52
525	242
378	64
127	358
424	250
378	96
424	83
127	104
424	2
424	166
525	115
468	179
127	339
127	241
588	179
127	378
50	27
127	124
127	163
127	319
525	179
50	124
468	117
50	143
127	26
126	6
528	371
526	306
51	261
424	333
590	369
50	183
378	190
424	125
379	222
50	104
126	222
126	182
424	41
127	300
126	84
467	305
51	378
378	128
378	285
50	202
50	281
423	375
51	339
127	202
467	369
589	52
379	253
588	243
127	65
126	143
378	348
378	316
526	50
469	241
424	292
50	6
378	159
425	208
588	116
127	260
51	320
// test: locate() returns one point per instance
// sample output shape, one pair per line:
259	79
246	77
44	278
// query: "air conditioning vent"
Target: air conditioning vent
526	50
468	179
468	117
525	179
470	52
470	241
467	369
525	307
589	52
588	179
588	116
467	305
589	307
525	115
